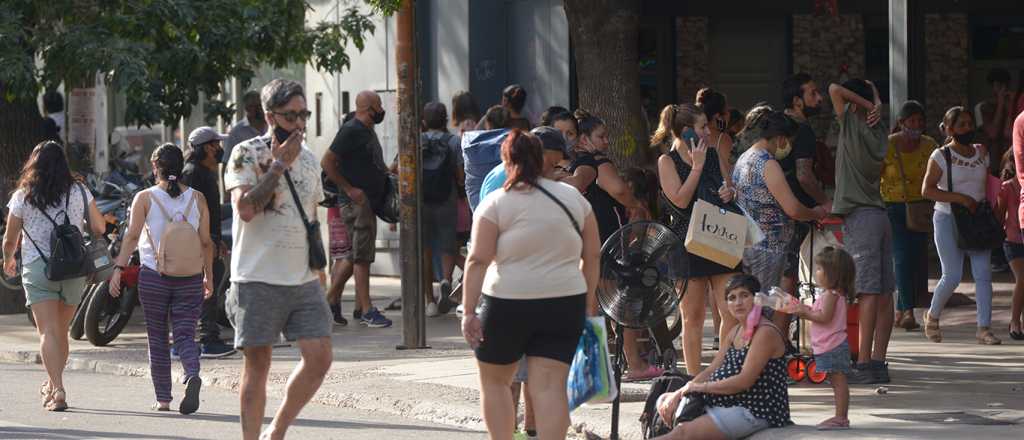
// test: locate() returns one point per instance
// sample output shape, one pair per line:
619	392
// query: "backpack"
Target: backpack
651	425
438	173
67	247
180	253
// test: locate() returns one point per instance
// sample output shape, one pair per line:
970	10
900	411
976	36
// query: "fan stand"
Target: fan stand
617	366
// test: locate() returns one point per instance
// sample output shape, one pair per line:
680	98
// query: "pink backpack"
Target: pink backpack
180	253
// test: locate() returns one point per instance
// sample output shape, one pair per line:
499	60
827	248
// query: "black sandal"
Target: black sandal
1016	336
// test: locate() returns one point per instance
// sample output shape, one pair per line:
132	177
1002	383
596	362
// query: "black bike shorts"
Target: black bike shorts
548	328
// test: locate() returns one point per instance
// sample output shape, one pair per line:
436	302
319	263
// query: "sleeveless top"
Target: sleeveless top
608	212
758	201
156	222
678	218
768	398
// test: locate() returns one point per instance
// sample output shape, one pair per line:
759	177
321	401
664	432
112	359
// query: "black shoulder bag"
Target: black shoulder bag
317	256
974	231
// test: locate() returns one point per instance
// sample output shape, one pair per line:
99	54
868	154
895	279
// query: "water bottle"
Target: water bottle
776	299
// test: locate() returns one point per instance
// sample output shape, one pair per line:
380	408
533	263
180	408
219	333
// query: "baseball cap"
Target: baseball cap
203	135
551	138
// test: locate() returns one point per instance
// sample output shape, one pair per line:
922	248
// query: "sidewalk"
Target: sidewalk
952	390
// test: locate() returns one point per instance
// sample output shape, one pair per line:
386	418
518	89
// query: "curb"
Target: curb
466	415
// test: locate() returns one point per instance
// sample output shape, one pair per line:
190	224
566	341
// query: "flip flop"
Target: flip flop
834	424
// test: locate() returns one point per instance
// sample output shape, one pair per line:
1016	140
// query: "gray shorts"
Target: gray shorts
867	236
261	312
736	422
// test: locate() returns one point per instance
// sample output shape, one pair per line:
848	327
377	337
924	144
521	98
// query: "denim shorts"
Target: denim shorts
1013	251
38	288
736	422
836	360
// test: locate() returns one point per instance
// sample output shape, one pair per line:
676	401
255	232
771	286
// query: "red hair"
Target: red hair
523	159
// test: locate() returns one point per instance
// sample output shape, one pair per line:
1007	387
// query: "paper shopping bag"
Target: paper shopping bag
716	234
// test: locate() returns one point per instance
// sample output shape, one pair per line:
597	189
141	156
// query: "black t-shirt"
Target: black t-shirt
804	146
608	212
362	159
204	180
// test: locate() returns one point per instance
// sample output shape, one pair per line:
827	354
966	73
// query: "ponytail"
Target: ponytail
674	119
168	165
664	131
587	122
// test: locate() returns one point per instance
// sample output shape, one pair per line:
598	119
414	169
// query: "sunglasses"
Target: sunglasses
292	116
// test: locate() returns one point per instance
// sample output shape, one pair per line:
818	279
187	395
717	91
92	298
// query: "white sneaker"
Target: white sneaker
432	310
459	311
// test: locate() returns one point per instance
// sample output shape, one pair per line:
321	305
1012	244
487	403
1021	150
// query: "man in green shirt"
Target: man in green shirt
867	233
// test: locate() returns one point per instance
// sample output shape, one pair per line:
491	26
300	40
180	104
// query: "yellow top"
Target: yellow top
915	163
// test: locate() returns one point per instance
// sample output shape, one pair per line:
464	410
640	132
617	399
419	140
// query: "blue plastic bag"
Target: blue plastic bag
481	152
585	378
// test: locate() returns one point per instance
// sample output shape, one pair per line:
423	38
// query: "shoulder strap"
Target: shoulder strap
295	196
85	209
949	168
153	201
768	323
575	224
191	203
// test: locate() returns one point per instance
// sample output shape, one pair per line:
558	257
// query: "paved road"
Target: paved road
105	406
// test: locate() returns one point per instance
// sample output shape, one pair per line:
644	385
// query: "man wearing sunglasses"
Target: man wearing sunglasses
273	288
355	163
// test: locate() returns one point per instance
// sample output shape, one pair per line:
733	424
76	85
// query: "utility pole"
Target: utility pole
413	274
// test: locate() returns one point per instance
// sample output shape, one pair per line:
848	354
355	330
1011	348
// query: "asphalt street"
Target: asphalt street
112	407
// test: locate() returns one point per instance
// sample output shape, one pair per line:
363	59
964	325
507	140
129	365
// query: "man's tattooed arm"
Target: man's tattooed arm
255	199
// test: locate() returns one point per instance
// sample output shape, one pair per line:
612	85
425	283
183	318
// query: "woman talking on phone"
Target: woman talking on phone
690	171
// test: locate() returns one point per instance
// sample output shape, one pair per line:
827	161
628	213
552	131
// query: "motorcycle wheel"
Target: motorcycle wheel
107	316
77	330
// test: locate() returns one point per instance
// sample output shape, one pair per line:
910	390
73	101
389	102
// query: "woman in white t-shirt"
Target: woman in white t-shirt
534	257
169	302
48	194
969	174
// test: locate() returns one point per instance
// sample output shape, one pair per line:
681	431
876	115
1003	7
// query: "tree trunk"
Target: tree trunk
605	35
21	128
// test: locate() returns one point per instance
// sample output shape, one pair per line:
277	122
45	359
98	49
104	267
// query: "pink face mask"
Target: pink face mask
753	318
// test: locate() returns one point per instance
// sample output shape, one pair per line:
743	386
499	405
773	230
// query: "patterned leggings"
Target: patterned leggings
181	300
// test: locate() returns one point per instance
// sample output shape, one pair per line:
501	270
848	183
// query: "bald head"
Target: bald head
369	108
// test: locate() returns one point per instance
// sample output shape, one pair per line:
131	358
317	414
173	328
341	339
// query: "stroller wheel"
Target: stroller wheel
797	368
813	375
669	358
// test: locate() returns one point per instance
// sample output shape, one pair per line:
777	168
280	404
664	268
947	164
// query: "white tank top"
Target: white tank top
156	222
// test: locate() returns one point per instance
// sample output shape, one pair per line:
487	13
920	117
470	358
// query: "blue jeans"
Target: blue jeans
910	255
952	258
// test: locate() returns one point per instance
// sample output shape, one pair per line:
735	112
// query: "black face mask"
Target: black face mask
219	155
811	111
281	134
378	117
964	139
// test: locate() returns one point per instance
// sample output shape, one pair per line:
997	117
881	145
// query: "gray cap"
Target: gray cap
203	135
551	138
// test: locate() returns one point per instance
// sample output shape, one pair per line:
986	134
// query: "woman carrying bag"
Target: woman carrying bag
909	213
956	180
177	271
47	194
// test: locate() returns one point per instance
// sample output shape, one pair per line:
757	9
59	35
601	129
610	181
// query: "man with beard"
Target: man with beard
202	162
803	100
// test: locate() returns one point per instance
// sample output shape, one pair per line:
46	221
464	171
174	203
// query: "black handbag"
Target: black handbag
975	231
317	255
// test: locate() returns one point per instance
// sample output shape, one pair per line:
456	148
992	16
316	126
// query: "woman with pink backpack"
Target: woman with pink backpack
177	271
